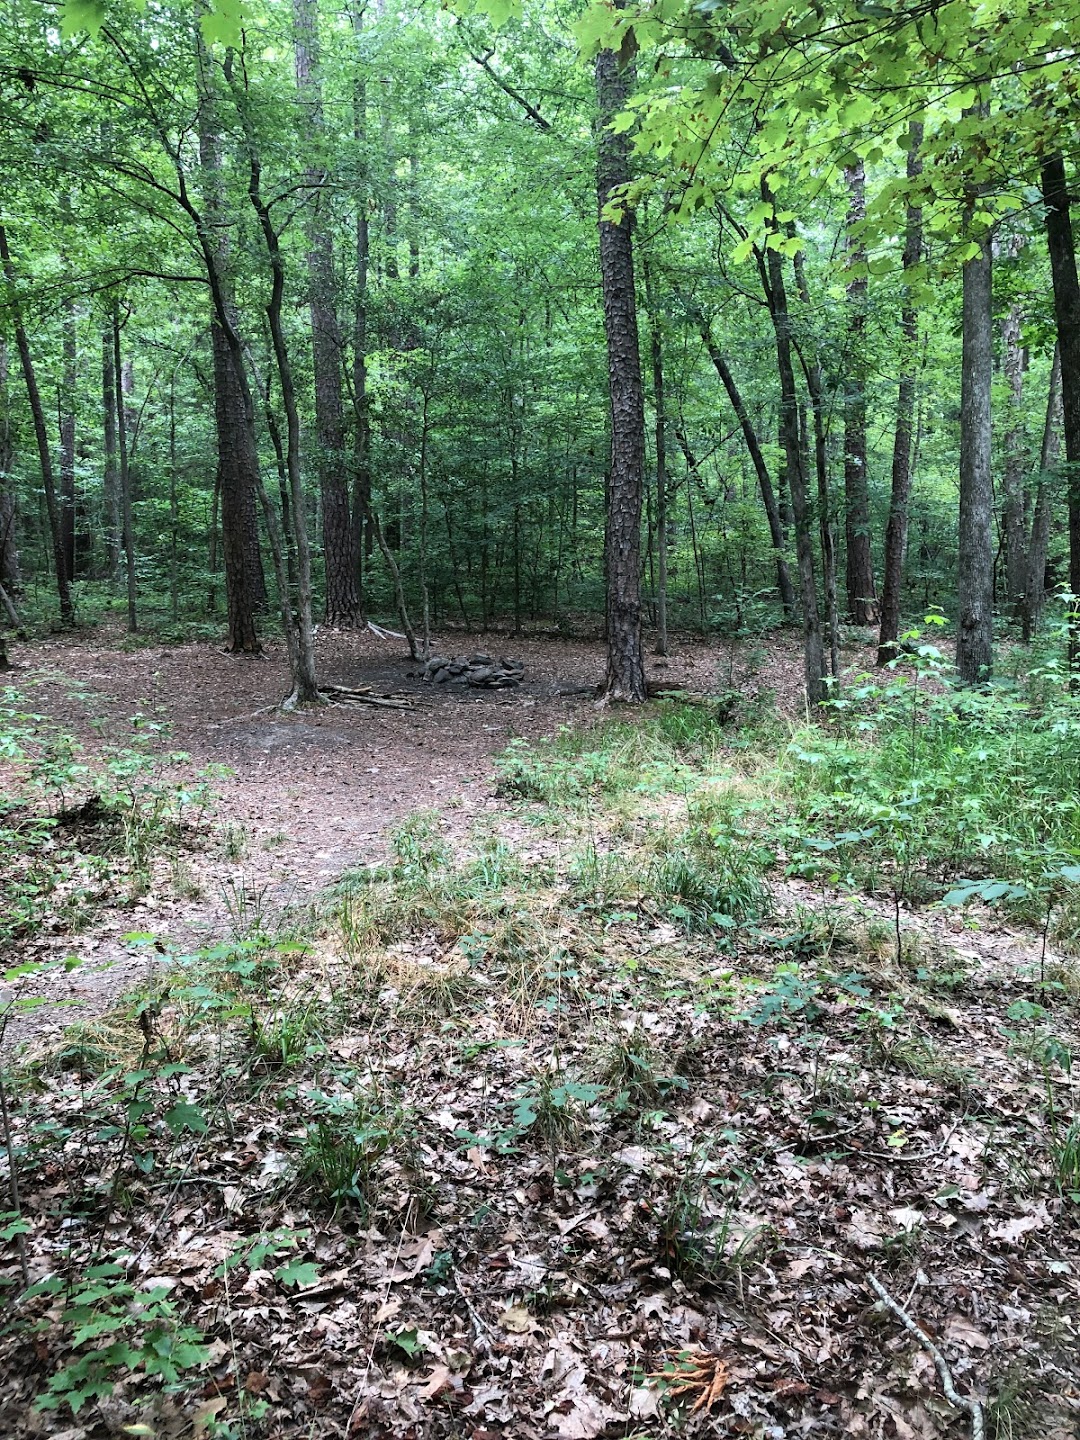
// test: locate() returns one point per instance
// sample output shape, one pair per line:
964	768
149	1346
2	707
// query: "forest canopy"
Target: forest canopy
305	313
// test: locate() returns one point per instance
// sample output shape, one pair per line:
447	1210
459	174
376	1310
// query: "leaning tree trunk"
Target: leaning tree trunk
1039	542
896	530
305	689
625	679
859	570
975	578
1059	242
338	530
813	650
237	460
757	459
815	386
41	434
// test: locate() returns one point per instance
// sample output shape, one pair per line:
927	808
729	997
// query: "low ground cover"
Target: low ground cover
604	1122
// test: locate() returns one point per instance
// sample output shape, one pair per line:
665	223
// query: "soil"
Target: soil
302	798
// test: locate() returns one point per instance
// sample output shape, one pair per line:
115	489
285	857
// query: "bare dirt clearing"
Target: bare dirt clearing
301	798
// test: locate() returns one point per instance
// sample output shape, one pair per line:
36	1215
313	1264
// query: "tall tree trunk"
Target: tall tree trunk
363	532
66	406
338	532
1039	543
813	651
111	485
975	579
127	517
859	571
896	531
1012	506
10	575
236	454
305	689
41	434
757	459
625	679
656	349
1059	242
815	387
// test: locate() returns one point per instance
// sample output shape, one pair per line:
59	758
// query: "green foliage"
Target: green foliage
918	784
114	1329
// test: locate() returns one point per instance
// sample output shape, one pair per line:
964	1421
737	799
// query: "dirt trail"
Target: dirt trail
306	796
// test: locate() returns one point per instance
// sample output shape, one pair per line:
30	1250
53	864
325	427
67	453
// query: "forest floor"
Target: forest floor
478	1093
299	799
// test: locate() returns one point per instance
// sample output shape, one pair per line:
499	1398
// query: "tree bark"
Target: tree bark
975	578
342	607
41	434
757	459
10	575
625	678
656	350
363	531
126	513
1039	543
66	406
1059	241
111	484
1012	480
896	530
859	569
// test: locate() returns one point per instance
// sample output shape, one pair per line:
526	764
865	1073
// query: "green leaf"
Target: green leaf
82	16
185	1116
297	1272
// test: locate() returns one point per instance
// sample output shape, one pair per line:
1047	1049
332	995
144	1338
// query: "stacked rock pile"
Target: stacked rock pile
480	671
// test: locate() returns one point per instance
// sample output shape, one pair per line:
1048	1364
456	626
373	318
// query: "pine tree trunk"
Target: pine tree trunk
1059	242
859	571
625	679
41	434
338	532
896	530
975	578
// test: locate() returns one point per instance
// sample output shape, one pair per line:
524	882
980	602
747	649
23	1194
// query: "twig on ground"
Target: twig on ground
480	1325
962	1402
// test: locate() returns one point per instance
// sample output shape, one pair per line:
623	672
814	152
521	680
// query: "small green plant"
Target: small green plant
345	1144
110	1328
700	1234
